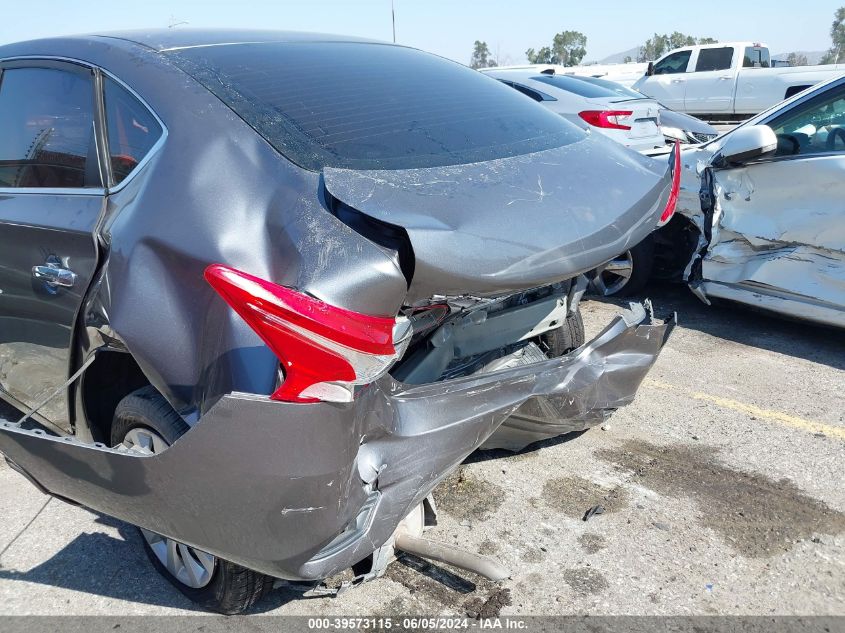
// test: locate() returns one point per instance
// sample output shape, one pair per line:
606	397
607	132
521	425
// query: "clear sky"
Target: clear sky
449	28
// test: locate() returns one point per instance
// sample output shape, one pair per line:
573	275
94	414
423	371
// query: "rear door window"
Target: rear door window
756	57
673	64
372	106
710	59
47	129
132	129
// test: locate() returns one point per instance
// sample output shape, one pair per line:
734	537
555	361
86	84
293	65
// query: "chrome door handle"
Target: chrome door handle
53	274
677	81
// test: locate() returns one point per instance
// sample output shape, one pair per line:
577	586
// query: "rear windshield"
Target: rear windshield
615	88
372	106
576	86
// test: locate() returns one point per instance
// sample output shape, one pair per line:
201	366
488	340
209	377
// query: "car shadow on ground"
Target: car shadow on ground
483	455
744	325
117	567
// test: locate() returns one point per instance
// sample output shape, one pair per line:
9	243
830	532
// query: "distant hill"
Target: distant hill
813	57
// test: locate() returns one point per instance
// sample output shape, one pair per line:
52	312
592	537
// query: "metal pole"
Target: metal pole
393	18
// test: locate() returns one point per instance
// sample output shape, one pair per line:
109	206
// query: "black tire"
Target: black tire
566	338
232	588
642	263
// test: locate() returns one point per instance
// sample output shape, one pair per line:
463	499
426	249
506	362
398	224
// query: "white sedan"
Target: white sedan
634	122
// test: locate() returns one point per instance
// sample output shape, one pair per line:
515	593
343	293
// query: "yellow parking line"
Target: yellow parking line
749	409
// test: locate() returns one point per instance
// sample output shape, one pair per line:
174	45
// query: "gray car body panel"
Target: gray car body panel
771	231
215	191
522	238
300	475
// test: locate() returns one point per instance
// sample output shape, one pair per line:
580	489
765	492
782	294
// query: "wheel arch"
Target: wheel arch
794	90
112	376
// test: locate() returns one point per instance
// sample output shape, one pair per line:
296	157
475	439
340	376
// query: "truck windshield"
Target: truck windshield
372	106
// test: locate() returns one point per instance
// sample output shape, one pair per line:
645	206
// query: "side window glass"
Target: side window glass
714	59
813	127
675	63
756	58
528	92
132	129
47	129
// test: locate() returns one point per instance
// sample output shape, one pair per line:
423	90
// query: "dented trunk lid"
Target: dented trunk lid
505	225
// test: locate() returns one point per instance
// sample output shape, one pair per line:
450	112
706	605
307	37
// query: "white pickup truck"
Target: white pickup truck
729	80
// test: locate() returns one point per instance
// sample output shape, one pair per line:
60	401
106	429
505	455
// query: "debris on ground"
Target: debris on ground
597	509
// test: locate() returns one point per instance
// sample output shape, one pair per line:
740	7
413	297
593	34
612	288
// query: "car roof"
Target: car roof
173	39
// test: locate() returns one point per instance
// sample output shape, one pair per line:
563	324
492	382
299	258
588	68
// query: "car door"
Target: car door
51	196
710	85
781	234
668	83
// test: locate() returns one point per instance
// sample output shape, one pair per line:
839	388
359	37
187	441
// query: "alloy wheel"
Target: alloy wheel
190	566
614	275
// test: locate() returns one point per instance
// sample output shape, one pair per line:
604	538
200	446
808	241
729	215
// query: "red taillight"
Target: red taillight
675	159
323	349
607	119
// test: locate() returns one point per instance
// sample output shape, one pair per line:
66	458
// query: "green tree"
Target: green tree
543	56
836	54
568	49
628	59
657	45
481	56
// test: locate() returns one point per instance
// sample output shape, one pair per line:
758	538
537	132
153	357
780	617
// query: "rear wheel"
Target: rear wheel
626	274
146	423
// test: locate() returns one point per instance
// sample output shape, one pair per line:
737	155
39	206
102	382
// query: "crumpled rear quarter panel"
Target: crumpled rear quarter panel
269	484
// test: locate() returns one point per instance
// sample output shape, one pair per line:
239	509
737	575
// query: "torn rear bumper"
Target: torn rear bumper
303	491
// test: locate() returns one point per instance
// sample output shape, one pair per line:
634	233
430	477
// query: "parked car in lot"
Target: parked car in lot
729	80
686	129
628	272
675	126
631	119
761	219
268	289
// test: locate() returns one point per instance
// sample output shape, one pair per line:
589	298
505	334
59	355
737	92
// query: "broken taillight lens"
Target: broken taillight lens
323	349
675	160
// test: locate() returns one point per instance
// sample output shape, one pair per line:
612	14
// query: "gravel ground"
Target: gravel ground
721	483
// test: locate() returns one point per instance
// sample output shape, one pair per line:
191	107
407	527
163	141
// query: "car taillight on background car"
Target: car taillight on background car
323	349
675	162
607	119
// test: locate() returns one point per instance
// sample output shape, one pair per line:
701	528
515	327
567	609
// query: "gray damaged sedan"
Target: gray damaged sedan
265	290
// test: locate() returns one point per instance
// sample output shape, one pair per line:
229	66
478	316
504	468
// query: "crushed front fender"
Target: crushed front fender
303	491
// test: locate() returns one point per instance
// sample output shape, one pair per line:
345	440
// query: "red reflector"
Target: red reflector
607	119
322	349
669	211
